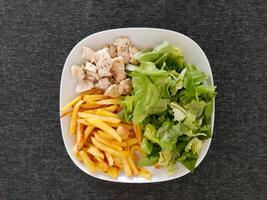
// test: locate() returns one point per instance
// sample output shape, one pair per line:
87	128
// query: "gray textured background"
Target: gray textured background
35	39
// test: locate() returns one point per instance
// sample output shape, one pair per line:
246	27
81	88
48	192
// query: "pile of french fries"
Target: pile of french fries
102	141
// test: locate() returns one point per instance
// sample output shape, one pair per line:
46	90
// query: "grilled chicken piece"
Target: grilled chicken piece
89	54
104	63
118	69
133	50
112	50
78	72
84	85
125	87
113	91
103	83
123	44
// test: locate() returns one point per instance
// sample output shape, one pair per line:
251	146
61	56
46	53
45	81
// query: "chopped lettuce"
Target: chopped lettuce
174	105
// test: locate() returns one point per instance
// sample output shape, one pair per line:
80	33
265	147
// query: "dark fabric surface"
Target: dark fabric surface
35	39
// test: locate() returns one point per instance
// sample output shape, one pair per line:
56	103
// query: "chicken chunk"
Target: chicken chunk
133	50
113	91
112	50
89	54
123	44
104	63
84	86
103	83
78	72
118	69
125	87
91	71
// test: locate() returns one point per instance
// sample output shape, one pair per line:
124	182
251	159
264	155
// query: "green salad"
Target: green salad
173	103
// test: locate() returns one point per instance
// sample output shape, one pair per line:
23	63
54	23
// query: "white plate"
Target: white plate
141	38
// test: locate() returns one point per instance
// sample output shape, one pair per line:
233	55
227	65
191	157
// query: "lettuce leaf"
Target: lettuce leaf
147	99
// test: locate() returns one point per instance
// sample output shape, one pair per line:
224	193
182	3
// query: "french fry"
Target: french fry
71	103
88	131
133	149
123	132
94	97
126	126
108	143
79	134
126	167
104	148
117	162
105	127
90	106
100	117
93	111
105	135
76	152
109	159
145	173
87	161
67	113
137	132
113	172
95	152
106	113
131	163
110	108
104	166
108	101
132	141
74	116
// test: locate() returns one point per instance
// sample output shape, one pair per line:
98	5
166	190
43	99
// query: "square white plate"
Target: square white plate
141	38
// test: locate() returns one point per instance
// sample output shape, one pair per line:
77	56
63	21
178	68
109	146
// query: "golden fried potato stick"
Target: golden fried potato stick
106	113
110	108
132	141
108	143
137	132
145	173
109	159
126	167
108	137
105	127
126	126
104	148
108	101
100	117
87	161
123	132
79	134
67	113
87	132
76	152
74	116
95	152
117	162
94	97
131	163
90	106
113	172
71	103
103	165
105	135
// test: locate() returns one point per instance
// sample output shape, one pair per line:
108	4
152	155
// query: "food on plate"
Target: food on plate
105	68
148	101
101	140
173	104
